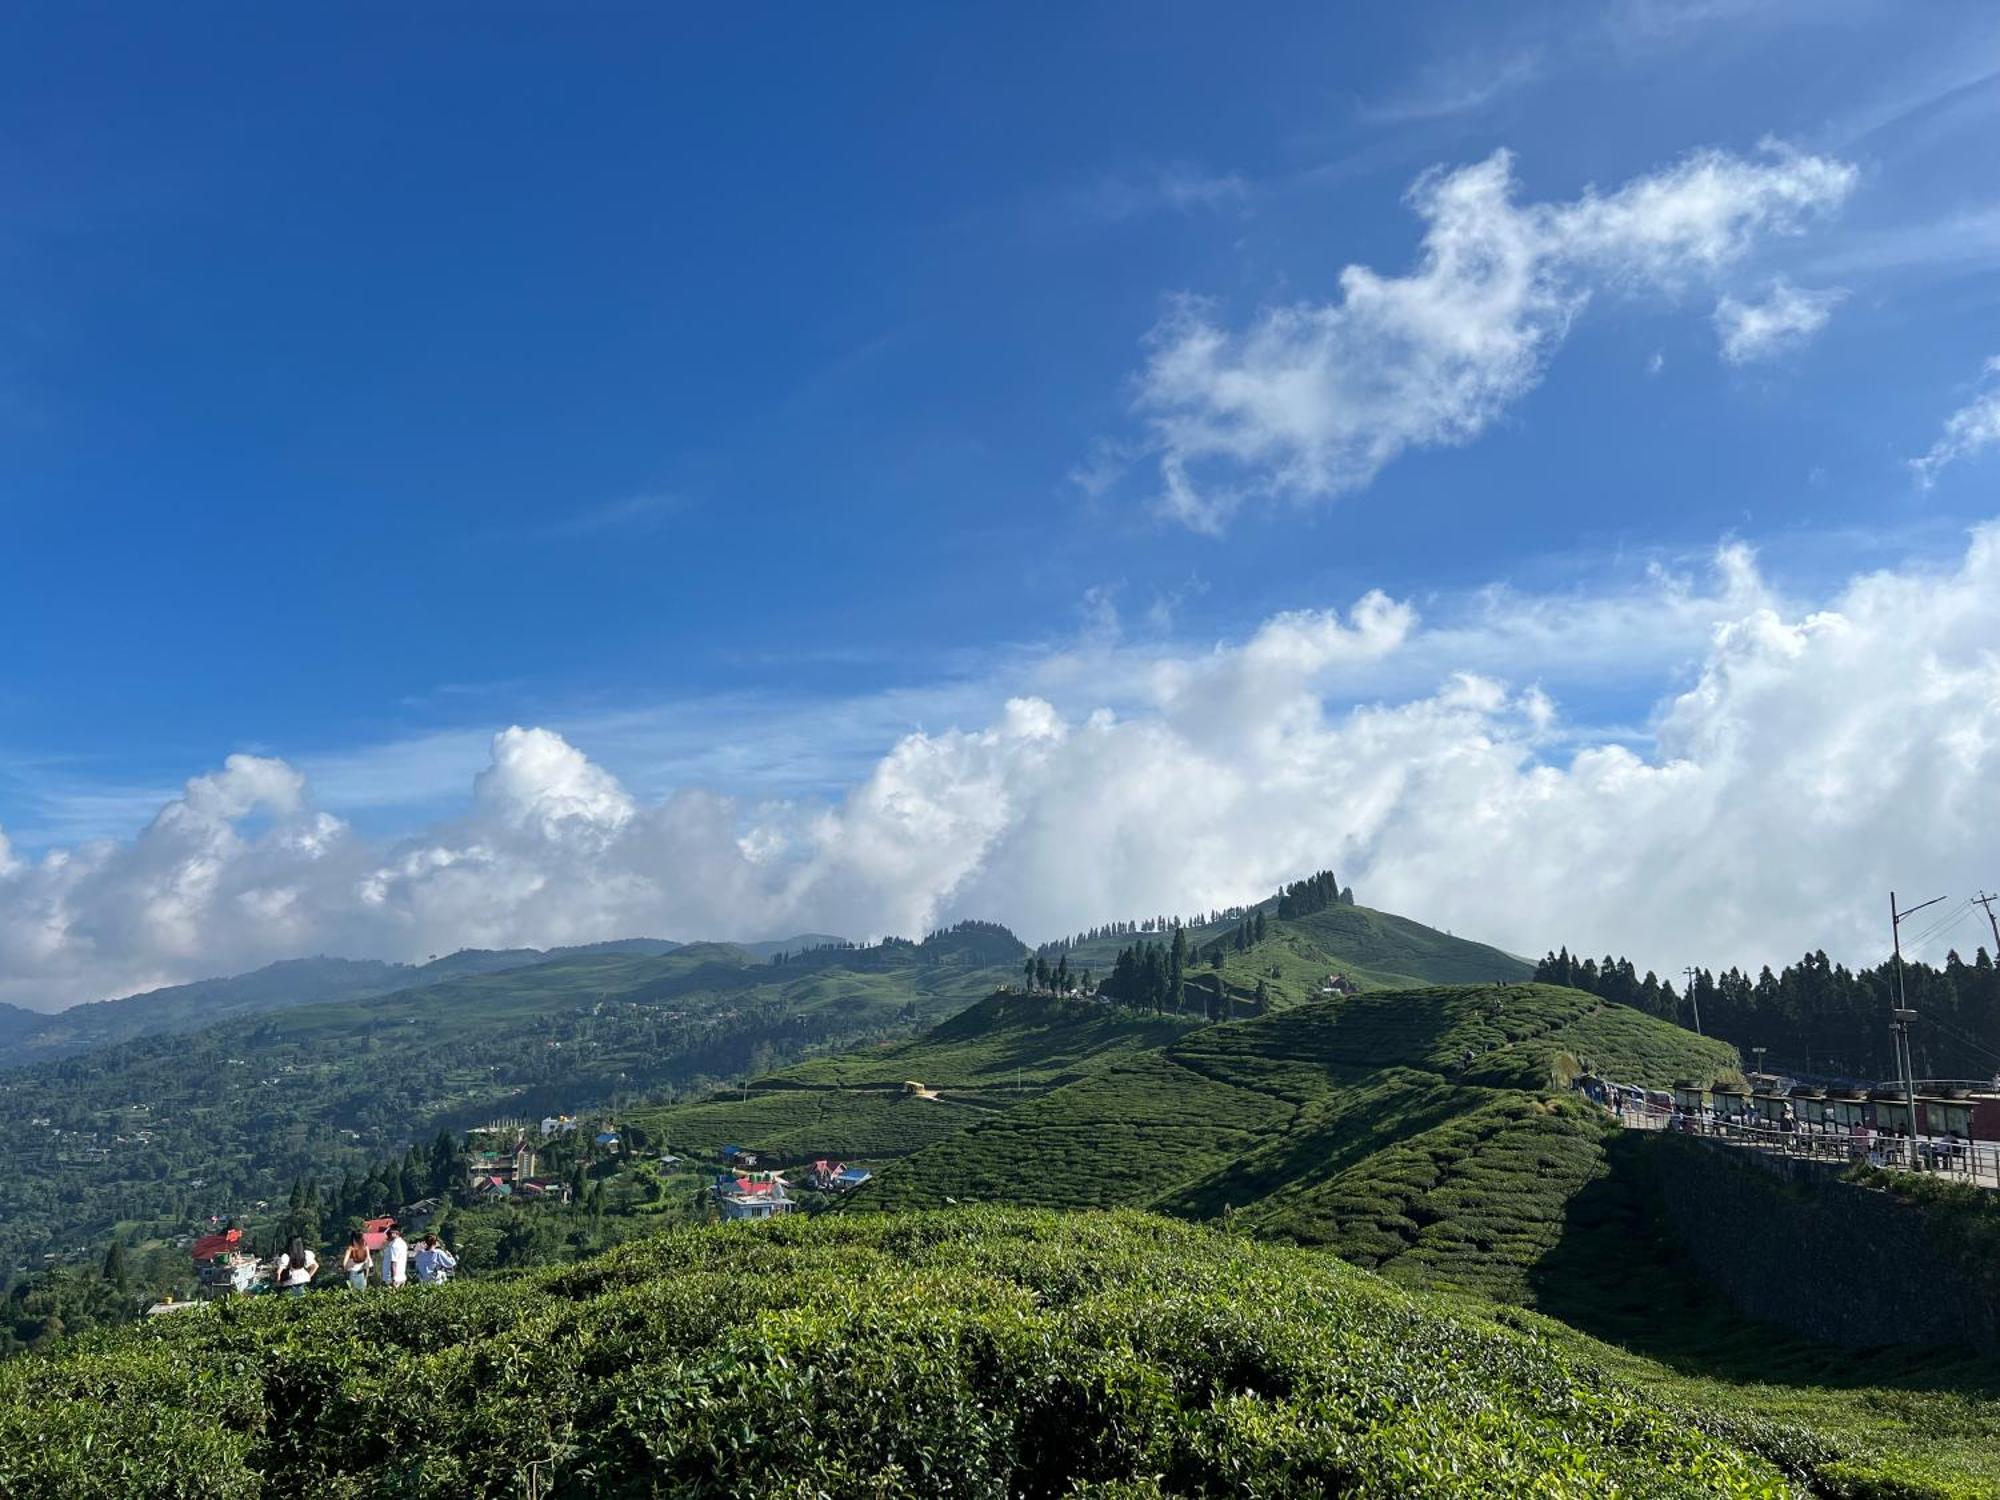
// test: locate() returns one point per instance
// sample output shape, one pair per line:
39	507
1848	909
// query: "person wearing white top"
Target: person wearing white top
295	1269
395	1259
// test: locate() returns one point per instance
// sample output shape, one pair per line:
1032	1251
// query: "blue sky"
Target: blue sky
736	395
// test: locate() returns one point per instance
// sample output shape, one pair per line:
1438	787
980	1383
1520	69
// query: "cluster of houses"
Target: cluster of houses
740	1191
836	1176
503	1160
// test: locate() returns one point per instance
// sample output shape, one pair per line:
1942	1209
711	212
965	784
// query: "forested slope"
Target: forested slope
151	1135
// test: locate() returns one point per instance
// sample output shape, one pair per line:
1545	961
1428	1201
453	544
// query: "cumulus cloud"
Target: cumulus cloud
1785	319
1313	399
1973	427
1815	753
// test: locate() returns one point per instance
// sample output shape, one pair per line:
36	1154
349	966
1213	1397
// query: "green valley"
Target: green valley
146	1138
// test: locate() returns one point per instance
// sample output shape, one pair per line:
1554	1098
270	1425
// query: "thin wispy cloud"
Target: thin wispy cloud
639	512
1180	187
1782	320
1459	85
1970	430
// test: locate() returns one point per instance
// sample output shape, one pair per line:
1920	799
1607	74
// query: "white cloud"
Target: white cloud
1785	319
1973	427
1313	399
1815	753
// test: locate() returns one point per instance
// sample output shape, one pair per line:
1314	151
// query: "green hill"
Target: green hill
1422	1131
989	1057
973	1354
152	1135
1371	949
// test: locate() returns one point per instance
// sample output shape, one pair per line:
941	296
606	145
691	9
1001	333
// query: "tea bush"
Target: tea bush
980	1353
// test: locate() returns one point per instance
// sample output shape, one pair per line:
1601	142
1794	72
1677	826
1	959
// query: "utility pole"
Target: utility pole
1904	1015
1760	1051
1982	899
1693	998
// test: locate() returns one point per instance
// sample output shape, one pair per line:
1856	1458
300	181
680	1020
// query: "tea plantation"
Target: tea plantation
983	1353
1421	1131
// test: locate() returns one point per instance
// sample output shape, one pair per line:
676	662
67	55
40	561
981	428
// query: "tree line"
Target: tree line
1817	1017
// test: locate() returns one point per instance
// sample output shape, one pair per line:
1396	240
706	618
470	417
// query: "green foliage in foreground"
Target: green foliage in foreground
968	1354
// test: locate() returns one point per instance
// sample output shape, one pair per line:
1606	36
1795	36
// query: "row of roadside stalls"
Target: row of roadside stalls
1954	1114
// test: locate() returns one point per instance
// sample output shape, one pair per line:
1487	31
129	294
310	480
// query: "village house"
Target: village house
752	1195
507	1165
223	1267
836	1177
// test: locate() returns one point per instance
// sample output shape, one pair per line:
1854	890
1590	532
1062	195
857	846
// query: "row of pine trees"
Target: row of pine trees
1816	1017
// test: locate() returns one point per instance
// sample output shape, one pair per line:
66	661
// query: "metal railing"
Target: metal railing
1974	1162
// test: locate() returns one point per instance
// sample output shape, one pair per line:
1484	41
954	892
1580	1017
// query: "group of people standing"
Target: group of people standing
432	1264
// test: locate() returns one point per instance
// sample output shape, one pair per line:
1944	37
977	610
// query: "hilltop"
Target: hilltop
1300	941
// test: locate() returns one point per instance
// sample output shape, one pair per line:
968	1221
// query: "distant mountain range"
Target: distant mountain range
36	1036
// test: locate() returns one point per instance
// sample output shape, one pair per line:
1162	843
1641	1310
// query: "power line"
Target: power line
1942	925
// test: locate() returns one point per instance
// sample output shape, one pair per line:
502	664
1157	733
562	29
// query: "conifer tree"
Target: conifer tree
115	1270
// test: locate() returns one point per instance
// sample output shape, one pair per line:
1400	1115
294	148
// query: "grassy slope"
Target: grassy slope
1358	1126
1628	1296
1408	1129
981	1354
992	1056
1375	949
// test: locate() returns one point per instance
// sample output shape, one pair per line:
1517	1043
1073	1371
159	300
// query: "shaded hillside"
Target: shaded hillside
27	1036
973	1354
157	1133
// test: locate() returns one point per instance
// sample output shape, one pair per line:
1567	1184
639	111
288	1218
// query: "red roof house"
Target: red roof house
211	1245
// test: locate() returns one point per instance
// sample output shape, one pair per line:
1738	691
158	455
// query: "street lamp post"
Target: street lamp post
1900	1028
